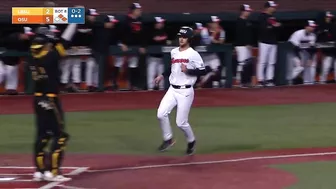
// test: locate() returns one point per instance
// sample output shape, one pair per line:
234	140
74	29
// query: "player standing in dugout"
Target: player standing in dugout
267	45
326	33
243	46
17	41
132	35
47	51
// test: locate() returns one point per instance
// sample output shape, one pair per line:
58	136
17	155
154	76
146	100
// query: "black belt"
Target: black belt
181	87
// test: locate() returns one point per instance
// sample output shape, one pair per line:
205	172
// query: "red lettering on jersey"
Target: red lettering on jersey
136	26
181	60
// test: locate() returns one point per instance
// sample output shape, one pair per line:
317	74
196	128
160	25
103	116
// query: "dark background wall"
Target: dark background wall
177	6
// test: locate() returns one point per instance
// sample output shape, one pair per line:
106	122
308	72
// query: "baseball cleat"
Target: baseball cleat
60	178
38	176
191	148
166	145
48	176
270	84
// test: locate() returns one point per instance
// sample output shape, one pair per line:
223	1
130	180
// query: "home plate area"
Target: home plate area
21	177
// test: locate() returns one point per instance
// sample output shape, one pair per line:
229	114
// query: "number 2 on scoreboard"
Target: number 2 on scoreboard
48	11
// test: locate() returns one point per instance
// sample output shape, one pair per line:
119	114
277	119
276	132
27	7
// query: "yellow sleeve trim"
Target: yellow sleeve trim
61	50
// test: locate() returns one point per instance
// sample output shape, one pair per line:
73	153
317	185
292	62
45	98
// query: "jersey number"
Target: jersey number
34	75
37	74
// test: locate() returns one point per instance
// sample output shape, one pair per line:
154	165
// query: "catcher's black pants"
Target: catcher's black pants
51	138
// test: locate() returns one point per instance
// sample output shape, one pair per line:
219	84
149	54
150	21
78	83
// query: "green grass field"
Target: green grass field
218	130
312	175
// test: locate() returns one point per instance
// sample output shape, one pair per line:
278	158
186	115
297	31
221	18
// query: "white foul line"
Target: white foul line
71	187
18	167
55	184
211	162
74	172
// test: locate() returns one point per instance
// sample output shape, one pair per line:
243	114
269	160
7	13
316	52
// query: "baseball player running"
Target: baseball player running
302	59
186	65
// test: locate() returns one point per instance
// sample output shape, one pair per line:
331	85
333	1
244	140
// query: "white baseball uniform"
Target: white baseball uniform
327	62
298	64
210	59
71	65
180	93
9	74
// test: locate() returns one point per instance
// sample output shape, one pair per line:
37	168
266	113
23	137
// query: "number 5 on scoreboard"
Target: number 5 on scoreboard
48	19
48	15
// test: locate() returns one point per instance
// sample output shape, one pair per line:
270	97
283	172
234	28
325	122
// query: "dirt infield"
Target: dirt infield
230	171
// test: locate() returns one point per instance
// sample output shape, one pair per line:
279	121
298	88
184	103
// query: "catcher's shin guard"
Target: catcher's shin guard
57	152
40	153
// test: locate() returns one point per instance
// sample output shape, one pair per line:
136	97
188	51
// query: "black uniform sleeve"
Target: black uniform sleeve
264	24
249	35
196	72
239	32
124	31
167	72
143	41
95	24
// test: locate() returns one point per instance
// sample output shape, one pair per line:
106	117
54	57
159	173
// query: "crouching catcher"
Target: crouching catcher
47	52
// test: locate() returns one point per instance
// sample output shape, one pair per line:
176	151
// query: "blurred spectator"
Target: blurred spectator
267	45
17	41
155	64
212	35
303	59
132	35
243	46
100	46
83	39
197	34
325	34
70	65
113	38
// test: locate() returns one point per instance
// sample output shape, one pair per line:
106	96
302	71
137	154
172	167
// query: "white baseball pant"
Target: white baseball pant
306	64
71	65
327	63
92	72
10	74
243	53
132	72
267	59
211	60
183	99
132	61
155	67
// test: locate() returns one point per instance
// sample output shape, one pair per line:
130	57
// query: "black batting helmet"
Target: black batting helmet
186	32
38	42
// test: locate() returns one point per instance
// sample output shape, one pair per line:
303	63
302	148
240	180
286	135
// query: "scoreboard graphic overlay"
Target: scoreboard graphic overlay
48	15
